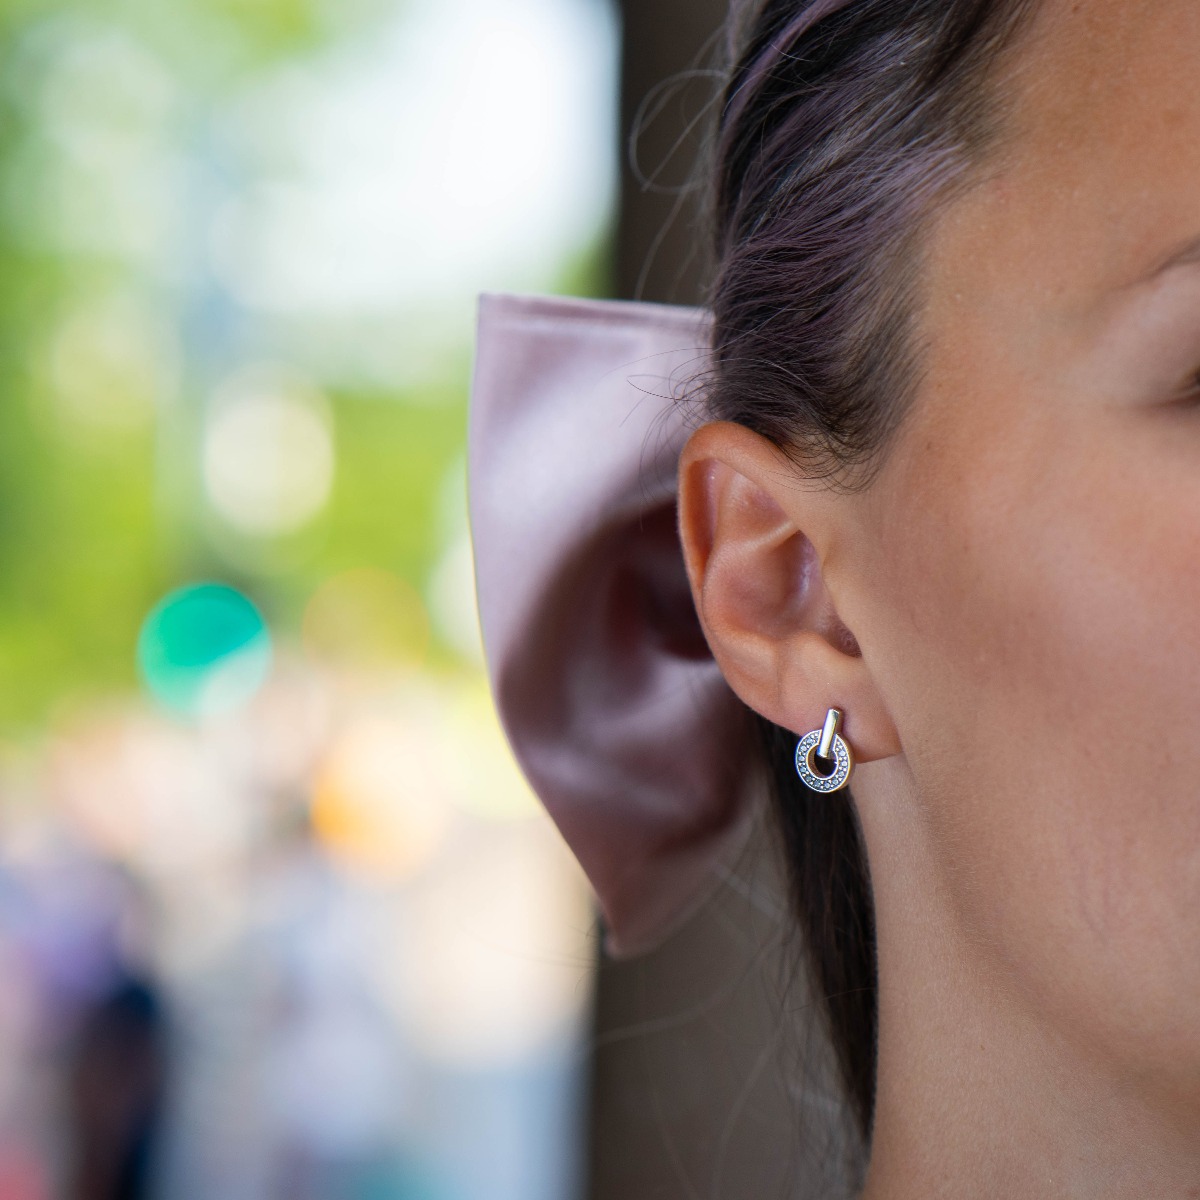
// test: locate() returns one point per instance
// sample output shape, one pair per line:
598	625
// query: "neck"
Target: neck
979	1094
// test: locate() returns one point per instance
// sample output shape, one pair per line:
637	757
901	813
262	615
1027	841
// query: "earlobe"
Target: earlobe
750	533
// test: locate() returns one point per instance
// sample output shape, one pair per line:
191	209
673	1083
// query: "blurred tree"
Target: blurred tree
112	332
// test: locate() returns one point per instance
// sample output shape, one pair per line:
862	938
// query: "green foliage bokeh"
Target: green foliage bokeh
97	523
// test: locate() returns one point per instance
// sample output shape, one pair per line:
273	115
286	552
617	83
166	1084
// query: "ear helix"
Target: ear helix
826	743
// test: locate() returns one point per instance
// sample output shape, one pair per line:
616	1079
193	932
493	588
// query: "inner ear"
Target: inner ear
845	641
804	598
788	594
799	569
780	589
800	595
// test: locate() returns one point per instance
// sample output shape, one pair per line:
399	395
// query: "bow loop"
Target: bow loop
610	699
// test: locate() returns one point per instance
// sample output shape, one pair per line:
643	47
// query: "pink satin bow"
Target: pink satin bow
607	691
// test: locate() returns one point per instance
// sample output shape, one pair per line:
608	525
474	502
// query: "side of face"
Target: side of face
1023	578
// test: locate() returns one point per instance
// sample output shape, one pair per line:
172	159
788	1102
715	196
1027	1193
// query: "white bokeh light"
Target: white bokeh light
469	147
268	452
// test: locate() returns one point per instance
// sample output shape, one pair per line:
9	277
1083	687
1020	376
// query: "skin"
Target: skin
1022	684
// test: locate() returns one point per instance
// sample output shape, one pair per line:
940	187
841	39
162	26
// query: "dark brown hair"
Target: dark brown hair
840	128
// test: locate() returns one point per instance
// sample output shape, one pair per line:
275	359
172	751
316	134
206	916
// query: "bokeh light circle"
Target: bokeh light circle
268	454
366	618
204	650
379	805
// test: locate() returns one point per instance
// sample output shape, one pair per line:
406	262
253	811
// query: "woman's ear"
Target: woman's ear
754	536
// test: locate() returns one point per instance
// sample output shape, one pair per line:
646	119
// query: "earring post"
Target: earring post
833	721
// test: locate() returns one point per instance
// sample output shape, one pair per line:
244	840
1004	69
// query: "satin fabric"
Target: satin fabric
605	686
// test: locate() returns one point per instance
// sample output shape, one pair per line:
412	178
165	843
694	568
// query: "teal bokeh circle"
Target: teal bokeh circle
204	649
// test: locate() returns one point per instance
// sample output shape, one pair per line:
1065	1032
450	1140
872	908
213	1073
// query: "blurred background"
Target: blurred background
278	916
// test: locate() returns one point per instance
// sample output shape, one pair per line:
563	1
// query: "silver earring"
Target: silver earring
828	744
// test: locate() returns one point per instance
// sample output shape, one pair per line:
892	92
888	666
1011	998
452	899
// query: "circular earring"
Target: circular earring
825	743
